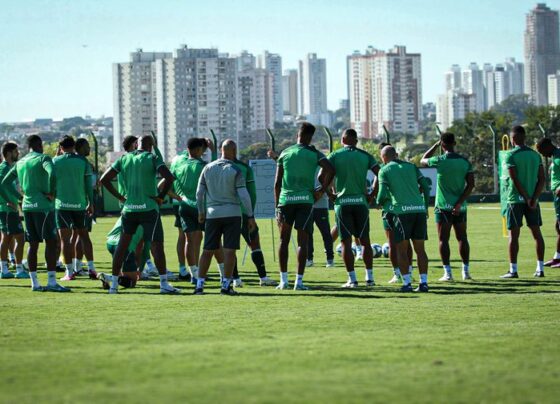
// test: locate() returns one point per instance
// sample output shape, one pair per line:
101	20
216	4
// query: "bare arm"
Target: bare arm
278	184
201	195
430	153
106	180
538	189
466	192
166	183
517	184
326	175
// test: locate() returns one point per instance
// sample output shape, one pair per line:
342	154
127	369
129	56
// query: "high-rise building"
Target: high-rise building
542	51
503	81
516	76
196	92
134	96
454	105
472	83
554	89
453	78
385	89
273	63
313	88
290	92
245	60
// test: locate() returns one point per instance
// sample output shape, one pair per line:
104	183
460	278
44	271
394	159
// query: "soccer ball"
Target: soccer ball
339	249
377	250
385	250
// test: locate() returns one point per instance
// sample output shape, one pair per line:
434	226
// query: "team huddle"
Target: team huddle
214	203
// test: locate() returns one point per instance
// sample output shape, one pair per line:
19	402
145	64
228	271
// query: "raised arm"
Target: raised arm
429	153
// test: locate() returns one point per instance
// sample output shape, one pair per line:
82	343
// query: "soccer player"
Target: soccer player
181	238
35	173
220	189
74	201
455	182
547	149
321	220
10	223
408	211
295	194
524	186
137	171
351	166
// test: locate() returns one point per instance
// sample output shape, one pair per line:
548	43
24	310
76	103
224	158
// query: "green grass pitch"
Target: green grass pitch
487	341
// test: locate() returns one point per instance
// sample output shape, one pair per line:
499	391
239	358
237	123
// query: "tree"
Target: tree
515	105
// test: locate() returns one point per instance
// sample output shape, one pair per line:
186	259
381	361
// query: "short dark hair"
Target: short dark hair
195	142
306	129
544	142
518	130
351	133
81	142
67	141
34	141
448	138
8	147
383	144
128	141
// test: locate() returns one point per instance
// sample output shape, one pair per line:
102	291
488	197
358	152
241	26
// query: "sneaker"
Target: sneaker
539	274
92	274
169	290
395	279
467	276
7	275
113	291
268	282
105	280
552	262
422	287
309	263
406	288
57	288
300	286
186	278
194	281
37	289
68	277
60	267
23	275
283	286
237	283
350	285
171	276
152	272
446	278
510	275
555	265
229	292
370	284
198	291
82	272
330	264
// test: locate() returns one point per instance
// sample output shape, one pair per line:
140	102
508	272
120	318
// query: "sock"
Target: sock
91	266
423	278
299	279
115	282
447	269
351	276
466	268
4	265
12	256
150	264
284	277
540	266
19	269
221	269
200	283
76	265
69	269
258	259
226	283
557	255
369	274
406	279
513	268
34	281
182	269
163	280
193	269
397	272
51	275
410	269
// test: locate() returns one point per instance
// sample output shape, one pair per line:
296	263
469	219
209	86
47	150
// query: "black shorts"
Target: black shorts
447	217
129	264
10	223
516	211
299	215
39	226
352	220
245	230
228	227
177	222
188	217
70	219
89	223
150	222
408	226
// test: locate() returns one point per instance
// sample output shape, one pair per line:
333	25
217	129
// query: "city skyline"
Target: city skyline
65	71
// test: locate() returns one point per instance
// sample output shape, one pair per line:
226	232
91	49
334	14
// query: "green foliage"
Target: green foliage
515	105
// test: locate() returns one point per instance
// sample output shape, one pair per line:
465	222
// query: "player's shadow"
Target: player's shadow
492	288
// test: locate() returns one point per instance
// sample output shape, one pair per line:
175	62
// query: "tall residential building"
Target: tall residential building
134	96
472	82
273	63
255	105
504	81
454	105
385	88
313	88
453	78
542	51
290	92
554	89
516	76
196	92
245	60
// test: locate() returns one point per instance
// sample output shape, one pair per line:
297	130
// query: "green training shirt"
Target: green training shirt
298	182
138	173
452	170
399	184
249	177
11	194
351	166
555	170
526	163
35	173
187	172
73	182
177	157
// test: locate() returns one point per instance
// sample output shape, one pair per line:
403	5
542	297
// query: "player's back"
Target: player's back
299	163
351	166
401	177
70	171
187	172
452	169
220	177
34	181
526	163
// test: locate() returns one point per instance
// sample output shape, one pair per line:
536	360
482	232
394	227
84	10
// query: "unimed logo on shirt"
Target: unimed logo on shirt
70	205
30	205
143	206
295	198
351	200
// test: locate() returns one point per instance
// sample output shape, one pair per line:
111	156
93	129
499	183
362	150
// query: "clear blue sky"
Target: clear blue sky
56	56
